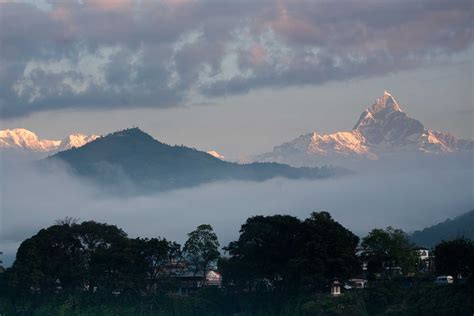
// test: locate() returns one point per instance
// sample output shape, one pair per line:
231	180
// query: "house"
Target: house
213	278
423	257
336	288
358	283
188	282
422	253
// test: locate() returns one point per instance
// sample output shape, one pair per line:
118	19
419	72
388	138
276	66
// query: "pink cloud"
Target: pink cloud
109	5
292	26
258	54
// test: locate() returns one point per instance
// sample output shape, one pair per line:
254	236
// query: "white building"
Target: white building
423	253
358	283
336	288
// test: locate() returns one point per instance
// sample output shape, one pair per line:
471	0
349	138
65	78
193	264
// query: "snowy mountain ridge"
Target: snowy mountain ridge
23	139
382	130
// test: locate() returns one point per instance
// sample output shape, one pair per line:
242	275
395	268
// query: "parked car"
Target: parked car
444	279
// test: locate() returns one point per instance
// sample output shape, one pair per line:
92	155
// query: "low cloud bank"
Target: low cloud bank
410	198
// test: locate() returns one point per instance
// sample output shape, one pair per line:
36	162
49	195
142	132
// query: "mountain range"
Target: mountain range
133	157
383	130
23	139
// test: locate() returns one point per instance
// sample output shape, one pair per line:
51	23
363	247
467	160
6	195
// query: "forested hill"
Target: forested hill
133	156
460	226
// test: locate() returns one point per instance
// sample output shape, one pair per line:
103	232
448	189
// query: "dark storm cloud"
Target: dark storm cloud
105	54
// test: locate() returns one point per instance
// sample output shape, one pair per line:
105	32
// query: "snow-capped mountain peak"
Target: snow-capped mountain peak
385	103
76	140
23	139
385	121
383	129
383	107
215	154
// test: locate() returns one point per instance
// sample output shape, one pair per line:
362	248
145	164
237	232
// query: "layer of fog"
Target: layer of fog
406	197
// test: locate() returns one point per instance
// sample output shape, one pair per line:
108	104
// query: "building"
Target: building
213	278
422	253
358	283
423	258
189	282
336	288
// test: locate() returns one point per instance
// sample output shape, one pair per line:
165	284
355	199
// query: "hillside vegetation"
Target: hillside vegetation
460	226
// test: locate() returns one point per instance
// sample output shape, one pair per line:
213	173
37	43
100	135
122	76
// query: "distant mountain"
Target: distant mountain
23	139
215	154
383	130
460	226
132	156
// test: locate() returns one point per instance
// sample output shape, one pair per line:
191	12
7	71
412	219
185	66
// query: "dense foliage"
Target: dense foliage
386	251
455	257
280	265
89	257
201	249
287	254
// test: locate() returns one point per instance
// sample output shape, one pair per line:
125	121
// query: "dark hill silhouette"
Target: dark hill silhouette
134	156
460	226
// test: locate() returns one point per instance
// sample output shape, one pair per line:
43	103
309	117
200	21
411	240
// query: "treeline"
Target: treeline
280	265
93	257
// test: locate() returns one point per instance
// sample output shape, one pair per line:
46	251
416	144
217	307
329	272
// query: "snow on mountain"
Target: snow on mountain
76	140
20	138
23	139
382	130
215	154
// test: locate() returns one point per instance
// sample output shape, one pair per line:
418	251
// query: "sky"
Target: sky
238	77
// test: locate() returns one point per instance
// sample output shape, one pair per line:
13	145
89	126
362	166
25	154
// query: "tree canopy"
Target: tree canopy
279	265
455	257
284	253
89	256
385	249
202	248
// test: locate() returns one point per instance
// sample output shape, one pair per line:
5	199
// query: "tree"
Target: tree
286	254
201	249
265	251
92	256
150	258
52	254
64	253
385	249
69	221
455	257
328	251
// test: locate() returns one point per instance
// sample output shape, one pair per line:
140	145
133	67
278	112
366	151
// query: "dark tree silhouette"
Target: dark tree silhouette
455	257
91	257
283	253
201	249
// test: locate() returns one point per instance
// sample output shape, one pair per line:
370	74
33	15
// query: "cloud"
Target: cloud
412	196
109	54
